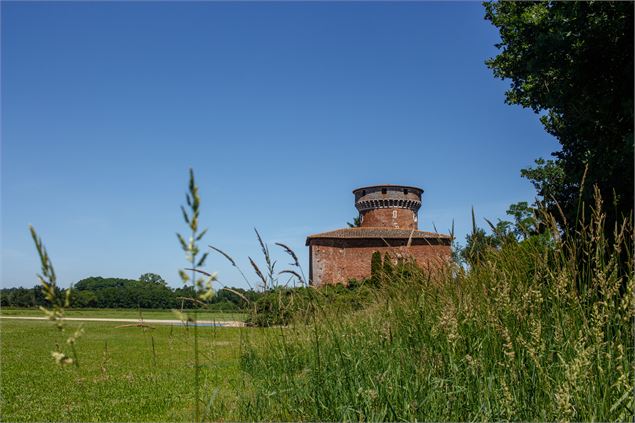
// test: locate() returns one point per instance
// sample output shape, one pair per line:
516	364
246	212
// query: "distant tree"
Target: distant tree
525	225
548	178
96	283
232	296
152	278
149	292
476	245
572	63
357	222
20	297
24	297
81	299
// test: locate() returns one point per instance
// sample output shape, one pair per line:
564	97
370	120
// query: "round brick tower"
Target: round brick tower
388	206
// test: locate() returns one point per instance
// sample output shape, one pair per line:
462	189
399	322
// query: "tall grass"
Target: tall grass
58	301
202	286
539	330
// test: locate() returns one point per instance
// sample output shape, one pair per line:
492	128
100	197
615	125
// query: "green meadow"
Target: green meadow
124	374
124	314
537	330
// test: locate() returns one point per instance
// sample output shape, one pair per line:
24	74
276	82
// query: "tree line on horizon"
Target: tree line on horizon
150	291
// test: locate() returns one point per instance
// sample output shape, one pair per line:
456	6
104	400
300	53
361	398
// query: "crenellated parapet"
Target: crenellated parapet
388	203
392	206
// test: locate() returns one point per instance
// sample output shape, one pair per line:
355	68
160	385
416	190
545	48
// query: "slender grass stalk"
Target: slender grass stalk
191	249
59	302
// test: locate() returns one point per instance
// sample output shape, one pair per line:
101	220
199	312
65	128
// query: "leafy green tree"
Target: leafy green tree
127	293
526	222
356	223
572	63
21	297
525	225
96	283
83	298
233	297
152	278
548	178
477	244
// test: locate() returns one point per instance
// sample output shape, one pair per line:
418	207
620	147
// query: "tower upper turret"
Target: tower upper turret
388	206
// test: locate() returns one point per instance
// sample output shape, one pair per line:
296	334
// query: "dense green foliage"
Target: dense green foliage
356	223
122	293
149	292
572	62
281	306
527	222
22	297
527	333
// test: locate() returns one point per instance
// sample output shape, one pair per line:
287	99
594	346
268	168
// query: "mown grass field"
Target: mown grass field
119	377
124	314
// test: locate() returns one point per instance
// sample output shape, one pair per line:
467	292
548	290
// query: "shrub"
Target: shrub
282	306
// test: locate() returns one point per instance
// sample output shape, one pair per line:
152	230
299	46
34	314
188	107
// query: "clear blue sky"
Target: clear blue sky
281	108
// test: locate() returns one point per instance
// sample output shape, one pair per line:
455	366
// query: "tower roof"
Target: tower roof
393	186
377	233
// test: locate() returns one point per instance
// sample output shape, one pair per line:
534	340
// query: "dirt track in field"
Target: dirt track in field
229	323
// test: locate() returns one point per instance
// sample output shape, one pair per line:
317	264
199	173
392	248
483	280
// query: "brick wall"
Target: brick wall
390	218
338	260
